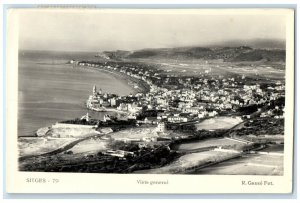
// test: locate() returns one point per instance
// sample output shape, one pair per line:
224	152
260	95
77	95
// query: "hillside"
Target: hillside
225	53
254	43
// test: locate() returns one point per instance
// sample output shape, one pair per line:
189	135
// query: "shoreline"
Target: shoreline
142	86
61	102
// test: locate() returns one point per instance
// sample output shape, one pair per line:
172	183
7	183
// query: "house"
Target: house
146	139
213	113
202	114
177	119
113	102
118	153
123	107
193	110
150	120
161	127
127	140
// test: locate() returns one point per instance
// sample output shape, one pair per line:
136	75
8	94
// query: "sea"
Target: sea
50	90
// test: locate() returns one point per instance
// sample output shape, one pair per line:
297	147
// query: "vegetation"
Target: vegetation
235	53
81	122
247	110
146	158
152	158
117	125
280	102
257	55
189	128
148	113
119	145
262	126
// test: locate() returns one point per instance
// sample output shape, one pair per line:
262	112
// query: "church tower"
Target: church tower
94	90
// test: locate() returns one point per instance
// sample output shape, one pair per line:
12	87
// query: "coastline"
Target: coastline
123	78
130	81
67	91
142	86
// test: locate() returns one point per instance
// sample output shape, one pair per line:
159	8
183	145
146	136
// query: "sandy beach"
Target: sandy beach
142	86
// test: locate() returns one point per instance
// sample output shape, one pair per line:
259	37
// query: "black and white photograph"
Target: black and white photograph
196	92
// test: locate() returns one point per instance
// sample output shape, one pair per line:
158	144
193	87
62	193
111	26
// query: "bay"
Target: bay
51	90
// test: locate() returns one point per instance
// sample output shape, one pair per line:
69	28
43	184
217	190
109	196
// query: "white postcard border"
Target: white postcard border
127	183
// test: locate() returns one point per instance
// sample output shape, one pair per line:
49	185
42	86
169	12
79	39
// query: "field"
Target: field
135	133
71	132
188	161
265	138
253	164
210	143
194	67
36	146
92	145
277	148
218	123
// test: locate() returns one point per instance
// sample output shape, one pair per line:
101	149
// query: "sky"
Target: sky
101	30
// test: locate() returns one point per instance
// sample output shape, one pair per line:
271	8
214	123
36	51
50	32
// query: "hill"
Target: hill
225	53
254	43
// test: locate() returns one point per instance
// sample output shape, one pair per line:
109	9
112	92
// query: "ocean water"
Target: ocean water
51	91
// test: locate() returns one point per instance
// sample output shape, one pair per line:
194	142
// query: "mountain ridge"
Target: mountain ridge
227	54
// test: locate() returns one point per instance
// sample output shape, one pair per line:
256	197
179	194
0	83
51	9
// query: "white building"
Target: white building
193	110
177	119
161	127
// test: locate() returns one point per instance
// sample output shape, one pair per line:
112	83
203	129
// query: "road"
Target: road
202	149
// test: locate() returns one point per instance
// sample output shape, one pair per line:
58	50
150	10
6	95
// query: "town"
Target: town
182	99
150	129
